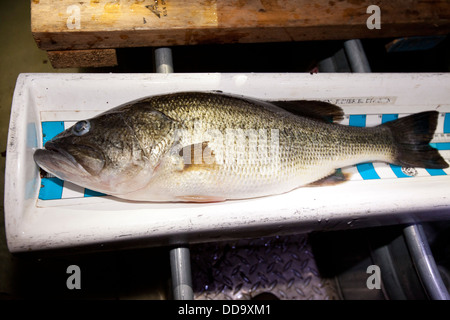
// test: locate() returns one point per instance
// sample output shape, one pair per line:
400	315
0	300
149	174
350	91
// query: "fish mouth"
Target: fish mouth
53	147
60	162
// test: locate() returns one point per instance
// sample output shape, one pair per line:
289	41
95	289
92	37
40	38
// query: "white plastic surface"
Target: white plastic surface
33	224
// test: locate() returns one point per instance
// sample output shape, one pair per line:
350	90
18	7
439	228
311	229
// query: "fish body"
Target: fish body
211	146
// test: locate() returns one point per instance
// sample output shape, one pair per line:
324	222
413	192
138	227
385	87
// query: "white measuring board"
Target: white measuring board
48	213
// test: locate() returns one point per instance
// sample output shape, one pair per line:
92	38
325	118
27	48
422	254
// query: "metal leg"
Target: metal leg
350	59
336	63
424	262
356	56
163	59
180	258
180	264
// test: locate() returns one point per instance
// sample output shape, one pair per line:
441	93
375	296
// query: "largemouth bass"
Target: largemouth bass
211	146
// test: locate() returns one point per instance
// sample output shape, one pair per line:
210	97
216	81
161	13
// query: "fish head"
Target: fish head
105	153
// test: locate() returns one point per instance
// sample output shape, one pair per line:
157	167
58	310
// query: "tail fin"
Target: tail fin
412	135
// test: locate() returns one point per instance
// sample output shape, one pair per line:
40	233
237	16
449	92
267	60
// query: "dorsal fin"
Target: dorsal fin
312	109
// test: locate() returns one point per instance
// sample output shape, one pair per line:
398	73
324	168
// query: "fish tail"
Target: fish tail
412	135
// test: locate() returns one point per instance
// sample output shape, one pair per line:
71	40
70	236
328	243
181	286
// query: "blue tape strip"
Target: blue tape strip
441	145
92	193
436	172
357	120
50	129
447	123
366	170
51	188
388	117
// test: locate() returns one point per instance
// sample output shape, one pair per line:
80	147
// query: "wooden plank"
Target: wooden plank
65	24
83	58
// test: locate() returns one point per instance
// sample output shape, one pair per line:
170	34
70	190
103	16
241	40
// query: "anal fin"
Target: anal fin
336	178
200	198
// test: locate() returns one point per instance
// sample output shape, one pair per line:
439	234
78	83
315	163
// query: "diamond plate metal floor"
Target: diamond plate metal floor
278	267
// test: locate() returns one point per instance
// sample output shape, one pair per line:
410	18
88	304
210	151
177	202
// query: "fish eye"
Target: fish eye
81	127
